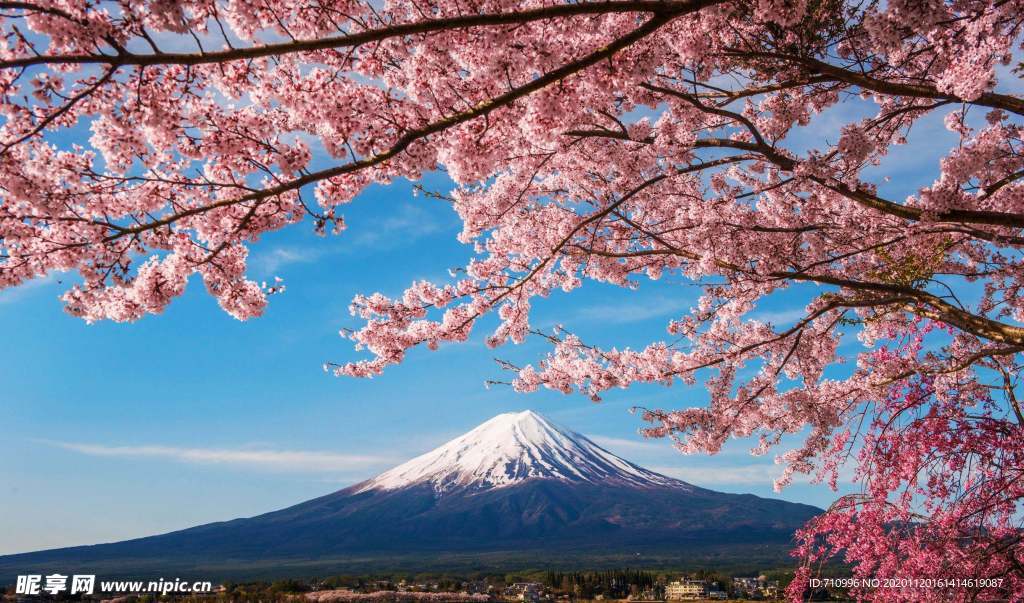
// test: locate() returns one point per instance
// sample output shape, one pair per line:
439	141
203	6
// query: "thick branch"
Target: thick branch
654	7
864	80
962	216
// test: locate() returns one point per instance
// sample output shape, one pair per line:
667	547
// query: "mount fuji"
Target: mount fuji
517	483
510	449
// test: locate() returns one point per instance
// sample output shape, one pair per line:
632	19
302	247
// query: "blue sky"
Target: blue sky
114	431
118	431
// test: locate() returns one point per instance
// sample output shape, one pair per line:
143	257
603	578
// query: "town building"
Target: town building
685	590
760	586
526	591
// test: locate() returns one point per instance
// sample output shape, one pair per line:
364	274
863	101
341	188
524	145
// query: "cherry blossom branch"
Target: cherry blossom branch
661	8
479	110
820	68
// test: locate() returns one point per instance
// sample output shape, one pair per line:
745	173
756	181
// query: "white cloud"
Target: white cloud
639	444
272	261
751	474
20	292
278	460
408	224
780	317
405	225
669	308
634	311
760	474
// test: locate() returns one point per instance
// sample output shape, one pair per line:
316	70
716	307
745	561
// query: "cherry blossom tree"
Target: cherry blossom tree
145	141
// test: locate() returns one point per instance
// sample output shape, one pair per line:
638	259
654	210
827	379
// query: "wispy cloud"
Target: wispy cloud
271	261
25	290
408	224
782	316
670	308
637	445
634	312
754	474
277	460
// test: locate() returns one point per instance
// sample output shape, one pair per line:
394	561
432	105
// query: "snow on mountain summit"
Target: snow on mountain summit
513	447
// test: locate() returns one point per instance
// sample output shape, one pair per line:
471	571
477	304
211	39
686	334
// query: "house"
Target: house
478	587
759	586
526	591
746	585
685	590
770	589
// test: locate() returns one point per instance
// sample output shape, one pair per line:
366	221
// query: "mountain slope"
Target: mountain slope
515	483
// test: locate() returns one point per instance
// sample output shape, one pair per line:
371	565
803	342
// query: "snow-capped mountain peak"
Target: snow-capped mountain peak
511	448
